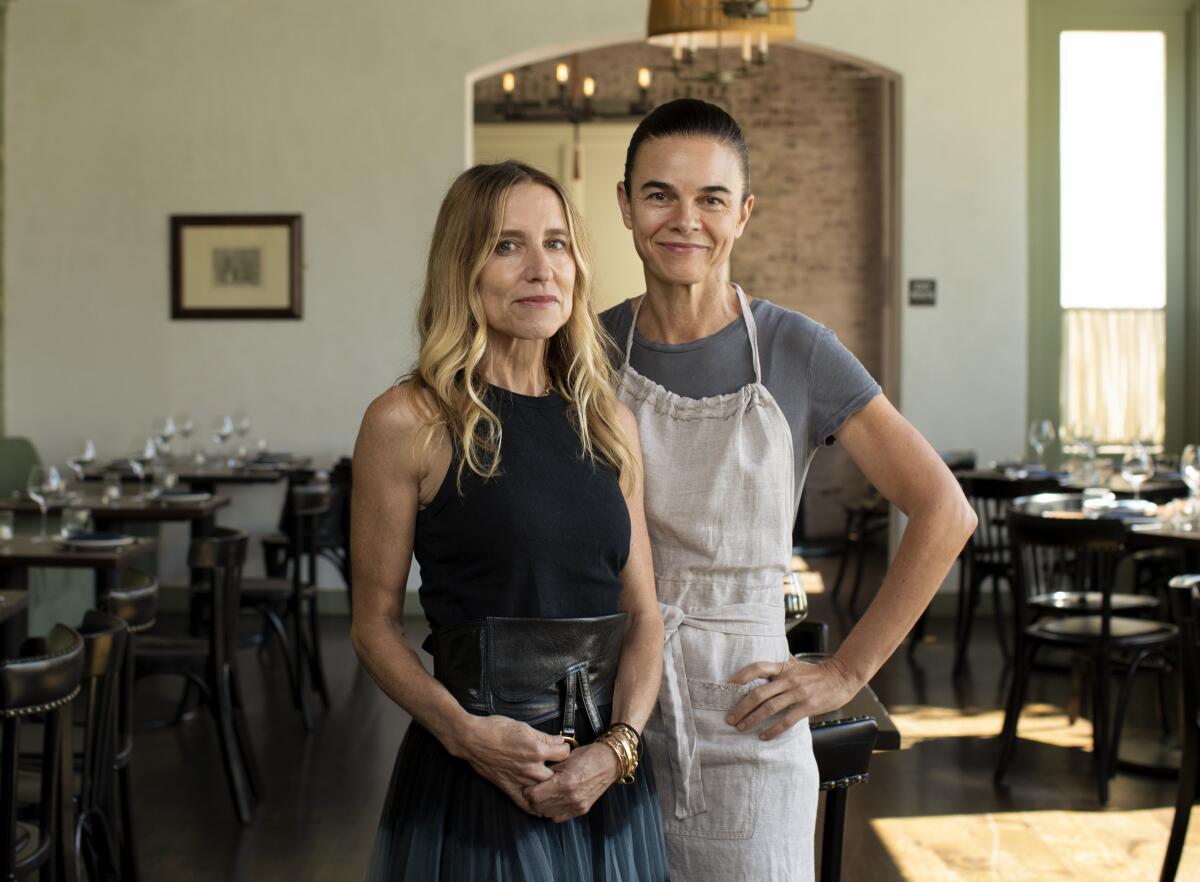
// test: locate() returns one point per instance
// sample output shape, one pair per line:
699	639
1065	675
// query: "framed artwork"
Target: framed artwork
236	266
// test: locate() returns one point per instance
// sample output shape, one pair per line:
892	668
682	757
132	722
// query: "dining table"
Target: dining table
207	478
22	553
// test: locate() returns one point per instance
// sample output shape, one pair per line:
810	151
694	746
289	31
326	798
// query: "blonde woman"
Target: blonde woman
505	461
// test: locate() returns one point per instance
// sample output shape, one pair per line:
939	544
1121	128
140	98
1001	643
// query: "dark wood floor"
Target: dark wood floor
325	788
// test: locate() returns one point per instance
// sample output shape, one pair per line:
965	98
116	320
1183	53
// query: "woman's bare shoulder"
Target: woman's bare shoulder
401	409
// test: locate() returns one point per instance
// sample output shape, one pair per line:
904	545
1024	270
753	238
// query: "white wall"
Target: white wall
123	112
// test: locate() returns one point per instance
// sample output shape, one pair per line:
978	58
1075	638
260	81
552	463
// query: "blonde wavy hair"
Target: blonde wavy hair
453	331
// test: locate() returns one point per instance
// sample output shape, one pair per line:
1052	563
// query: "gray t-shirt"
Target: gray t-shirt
817	382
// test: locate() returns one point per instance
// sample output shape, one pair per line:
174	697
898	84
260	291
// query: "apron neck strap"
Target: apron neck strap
747	316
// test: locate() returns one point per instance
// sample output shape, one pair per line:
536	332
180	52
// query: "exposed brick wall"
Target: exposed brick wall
814	244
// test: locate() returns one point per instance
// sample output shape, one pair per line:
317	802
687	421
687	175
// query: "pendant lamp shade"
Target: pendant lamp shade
702	24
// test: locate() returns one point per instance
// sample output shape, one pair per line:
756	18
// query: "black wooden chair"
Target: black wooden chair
105	648
865	519
135	602
1076	554
211	664
294	600
1185	604
987	556
331	533
42	680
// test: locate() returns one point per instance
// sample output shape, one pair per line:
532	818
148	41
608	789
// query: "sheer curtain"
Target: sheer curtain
1114	374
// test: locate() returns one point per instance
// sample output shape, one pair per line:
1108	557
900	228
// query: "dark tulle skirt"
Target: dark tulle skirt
442	822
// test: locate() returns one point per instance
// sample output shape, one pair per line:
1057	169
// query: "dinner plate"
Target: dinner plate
96	539
181	497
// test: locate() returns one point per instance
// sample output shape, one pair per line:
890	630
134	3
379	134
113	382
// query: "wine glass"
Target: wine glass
1189	470
142	452
222	430
185	426
80	461
43	484
1137	467
1041	434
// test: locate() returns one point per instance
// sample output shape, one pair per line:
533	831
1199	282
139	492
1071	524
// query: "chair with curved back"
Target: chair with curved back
1185	605
17	457
294	600
42	680
987	556
1078	554
135	602
211	663
105	650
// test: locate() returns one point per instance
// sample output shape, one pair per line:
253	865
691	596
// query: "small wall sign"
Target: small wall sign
922	292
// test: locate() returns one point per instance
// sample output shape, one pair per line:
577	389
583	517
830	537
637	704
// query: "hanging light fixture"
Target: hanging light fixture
748	25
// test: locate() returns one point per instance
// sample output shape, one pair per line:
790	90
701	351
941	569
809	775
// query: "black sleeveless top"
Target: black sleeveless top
547	537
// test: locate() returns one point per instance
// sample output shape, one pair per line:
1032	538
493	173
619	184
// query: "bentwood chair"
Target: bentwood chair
135	602
1185	604
295	599
211	664
987	556
42	680
105	652
1080	555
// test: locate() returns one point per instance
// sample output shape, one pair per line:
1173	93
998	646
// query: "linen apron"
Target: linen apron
719	476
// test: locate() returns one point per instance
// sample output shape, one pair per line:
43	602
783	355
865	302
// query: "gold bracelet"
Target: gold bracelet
621	738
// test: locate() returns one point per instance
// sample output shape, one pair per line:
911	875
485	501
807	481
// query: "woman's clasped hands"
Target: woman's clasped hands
515	756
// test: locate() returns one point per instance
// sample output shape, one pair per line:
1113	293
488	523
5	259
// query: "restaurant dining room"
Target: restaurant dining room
599	441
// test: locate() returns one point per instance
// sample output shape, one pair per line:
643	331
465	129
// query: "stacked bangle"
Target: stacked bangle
625	743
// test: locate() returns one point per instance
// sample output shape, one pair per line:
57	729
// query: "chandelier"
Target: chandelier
688	26
575	99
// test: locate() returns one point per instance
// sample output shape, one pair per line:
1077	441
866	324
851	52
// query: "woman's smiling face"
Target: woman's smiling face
685	207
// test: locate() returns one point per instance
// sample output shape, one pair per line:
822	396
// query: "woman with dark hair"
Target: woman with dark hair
732	399
507	463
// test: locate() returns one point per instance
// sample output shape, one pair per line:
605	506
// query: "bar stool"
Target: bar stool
843	753
42	680
211	664
135	602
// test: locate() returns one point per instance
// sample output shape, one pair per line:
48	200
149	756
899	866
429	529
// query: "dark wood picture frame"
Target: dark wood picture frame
245	271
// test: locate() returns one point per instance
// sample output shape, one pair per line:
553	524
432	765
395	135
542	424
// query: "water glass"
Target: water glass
76	520
795	601
164	479
112	487
6	526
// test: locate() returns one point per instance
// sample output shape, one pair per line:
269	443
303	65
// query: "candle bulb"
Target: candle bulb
508	83
589	87
762	46
676	48
747	49
643	78
562	73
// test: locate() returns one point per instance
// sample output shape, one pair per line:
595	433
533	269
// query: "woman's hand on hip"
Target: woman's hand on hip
510	754
794	690
576	783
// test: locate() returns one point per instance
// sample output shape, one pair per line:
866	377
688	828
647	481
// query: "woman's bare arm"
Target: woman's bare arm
899	462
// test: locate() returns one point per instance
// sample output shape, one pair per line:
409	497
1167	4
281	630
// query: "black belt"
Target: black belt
531	670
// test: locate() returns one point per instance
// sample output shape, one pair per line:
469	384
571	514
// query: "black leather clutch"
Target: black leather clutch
531	670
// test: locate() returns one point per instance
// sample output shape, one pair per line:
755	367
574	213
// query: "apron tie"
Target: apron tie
674	697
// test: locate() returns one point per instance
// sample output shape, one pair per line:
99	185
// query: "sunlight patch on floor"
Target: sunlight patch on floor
1043	846
1044	723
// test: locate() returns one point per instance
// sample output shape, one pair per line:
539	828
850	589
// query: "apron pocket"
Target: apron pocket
730	771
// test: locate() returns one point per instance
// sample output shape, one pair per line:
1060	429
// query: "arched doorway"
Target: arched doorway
824	156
